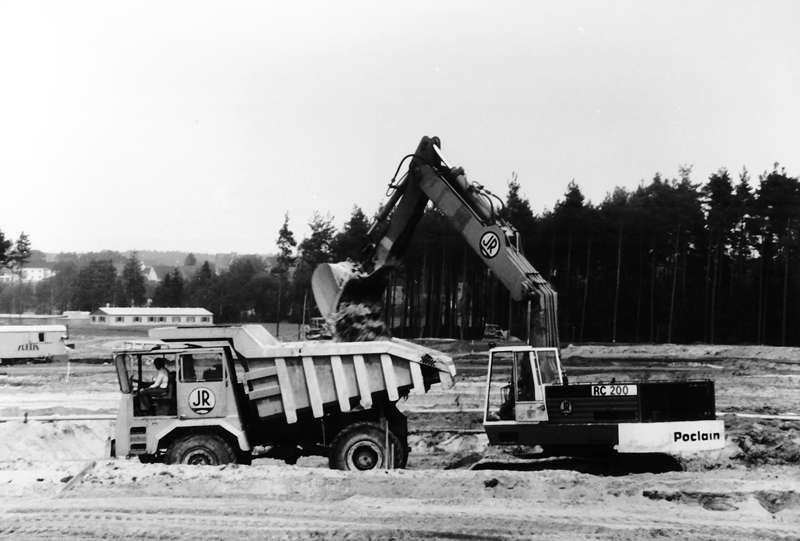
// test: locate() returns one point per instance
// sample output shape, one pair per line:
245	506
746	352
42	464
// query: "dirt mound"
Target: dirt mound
764	441
360	322
53	441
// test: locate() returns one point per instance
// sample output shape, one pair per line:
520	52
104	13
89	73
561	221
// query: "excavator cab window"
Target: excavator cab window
500	394
530	406
549	367
524	362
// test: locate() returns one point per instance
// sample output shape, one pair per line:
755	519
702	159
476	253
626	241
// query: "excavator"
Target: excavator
474	212
529	399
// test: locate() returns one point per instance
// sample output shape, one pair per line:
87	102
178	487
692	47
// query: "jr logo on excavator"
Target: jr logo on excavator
490	245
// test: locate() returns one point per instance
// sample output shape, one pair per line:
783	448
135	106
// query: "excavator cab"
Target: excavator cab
518	377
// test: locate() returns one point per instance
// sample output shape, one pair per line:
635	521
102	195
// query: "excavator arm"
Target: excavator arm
474	213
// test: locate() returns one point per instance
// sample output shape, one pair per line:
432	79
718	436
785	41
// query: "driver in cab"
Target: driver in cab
159	385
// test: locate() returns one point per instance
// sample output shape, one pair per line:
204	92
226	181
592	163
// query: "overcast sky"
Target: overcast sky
196	126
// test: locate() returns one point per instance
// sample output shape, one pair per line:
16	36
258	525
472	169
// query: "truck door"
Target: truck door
202	380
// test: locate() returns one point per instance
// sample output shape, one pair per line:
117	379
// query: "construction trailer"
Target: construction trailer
33	343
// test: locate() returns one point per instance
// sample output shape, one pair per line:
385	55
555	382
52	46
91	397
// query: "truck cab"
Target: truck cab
201	392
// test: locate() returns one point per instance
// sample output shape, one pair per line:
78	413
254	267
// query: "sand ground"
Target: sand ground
56	484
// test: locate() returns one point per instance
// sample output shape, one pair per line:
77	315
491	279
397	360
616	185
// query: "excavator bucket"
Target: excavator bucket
335	284
328	283
351	299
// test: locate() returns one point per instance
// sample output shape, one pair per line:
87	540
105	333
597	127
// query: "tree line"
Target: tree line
670	261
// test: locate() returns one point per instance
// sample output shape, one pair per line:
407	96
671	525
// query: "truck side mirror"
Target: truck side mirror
122	374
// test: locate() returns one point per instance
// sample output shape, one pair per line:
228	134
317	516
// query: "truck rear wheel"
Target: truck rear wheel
362	446
201	450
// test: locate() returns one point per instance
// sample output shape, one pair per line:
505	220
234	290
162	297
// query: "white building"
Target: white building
151	316
28	275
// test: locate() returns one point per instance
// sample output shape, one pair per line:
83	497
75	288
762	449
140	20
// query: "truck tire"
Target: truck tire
362	446
202	450
401	454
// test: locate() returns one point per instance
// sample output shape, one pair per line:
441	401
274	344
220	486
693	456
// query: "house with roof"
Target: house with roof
27	275
150	274
156	273
223	261
151	316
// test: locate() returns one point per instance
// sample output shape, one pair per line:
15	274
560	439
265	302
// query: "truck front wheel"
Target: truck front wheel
202	450
362	446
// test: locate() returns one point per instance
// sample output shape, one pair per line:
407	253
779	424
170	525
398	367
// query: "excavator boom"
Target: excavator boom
474	213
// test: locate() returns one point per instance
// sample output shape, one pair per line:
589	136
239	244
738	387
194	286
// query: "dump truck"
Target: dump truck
235	393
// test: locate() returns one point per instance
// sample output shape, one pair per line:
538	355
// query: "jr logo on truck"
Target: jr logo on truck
202	400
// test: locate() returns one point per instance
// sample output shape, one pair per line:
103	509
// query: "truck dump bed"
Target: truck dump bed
284	379
297	377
